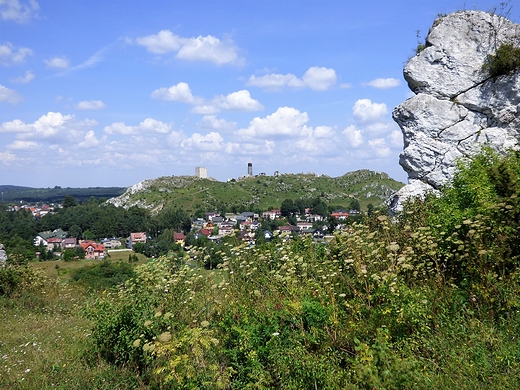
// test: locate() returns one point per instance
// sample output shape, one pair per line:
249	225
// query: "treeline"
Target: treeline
89	220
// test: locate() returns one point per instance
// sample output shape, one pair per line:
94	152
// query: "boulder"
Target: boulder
457	106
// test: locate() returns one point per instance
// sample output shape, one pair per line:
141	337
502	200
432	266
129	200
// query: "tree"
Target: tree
69	201
288	208
354	205
75	231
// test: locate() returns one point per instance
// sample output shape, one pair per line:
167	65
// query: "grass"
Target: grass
66	269
263	192
43	343
45	336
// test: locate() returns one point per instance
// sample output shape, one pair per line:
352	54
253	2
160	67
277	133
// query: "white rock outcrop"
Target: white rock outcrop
457	106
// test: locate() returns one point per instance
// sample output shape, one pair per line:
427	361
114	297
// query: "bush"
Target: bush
104	275
505	60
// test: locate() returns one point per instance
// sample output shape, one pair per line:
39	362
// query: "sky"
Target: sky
110	93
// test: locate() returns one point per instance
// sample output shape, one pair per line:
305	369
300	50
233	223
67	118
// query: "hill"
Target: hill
11	194
258	193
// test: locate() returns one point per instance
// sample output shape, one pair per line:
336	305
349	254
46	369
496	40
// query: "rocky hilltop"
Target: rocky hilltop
458	105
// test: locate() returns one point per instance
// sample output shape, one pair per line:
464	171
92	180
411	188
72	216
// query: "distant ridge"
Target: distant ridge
12	194
258	192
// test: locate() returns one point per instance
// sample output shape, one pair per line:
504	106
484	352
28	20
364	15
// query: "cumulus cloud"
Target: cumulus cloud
89	141
21	145
177	93
18	11
208	48
379	147
7	157
212	141
235	101
9	95
51	125
396	139
149	125
26	78
285	122
161	43
317	78
90	105
213	123
10	55
366	111
57	62
354	136
383	83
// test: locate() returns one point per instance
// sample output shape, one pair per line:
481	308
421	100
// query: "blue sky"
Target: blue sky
109	93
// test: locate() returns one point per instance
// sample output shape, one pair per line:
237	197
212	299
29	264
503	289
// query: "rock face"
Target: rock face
457	106
3	256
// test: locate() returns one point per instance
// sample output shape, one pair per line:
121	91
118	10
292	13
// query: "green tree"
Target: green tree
354	205
69	201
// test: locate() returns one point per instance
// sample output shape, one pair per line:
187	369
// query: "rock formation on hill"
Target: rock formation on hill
457	105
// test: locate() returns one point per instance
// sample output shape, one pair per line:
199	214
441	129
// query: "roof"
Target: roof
55	233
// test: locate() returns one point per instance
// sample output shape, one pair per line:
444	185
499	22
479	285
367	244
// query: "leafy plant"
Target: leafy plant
505	60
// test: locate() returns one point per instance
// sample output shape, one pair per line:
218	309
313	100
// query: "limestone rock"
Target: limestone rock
3	256
457	106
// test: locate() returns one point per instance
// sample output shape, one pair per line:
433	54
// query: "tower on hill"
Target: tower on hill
249	169
201	172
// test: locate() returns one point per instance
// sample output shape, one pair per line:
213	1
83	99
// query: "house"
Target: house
69	243
93	250
42	237
136	237
179	237
339	214
304	225
271	215
111	243
54	242
206	232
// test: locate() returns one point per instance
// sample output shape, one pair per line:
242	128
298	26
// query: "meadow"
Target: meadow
429	299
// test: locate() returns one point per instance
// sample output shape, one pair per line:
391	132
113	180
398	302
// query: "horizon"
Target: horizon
97	94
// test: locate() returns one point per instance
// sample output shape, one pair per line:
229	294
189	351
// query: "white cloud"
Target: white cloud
18	11
177	93
237	101
52	125
210	142
365	111
317	78
161	43
27	78
9	55
378	128
211	122
149	125
285	122
90	105
379	147
251	149
208	48
58	62
382	83
345	85
354	136
21	145
9	95
396	139
89	140
7	156
276	81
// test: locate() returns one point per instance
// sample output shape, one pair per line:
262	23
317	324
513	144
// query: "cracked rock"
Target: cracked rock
457	107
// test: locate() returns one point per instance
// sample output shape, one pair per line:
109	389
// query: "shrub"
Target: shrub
505	60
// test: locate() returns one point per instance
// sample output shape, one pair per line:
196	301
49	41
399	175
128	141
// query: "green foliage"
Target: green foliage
104	275
505	60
